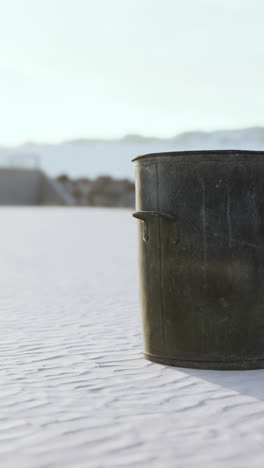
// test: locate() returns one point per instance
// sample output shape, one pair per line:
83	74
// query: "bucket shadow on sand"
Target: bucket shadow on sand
250	382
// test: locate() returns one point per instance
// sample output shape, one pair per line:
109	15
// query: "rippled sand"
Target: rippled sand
74	389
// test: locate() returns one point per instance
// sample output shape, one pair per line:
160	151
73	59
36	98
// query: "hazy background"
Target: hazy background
78	76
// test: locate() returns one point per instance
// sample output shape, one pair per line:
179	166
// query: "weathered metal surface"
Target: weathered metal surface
201	254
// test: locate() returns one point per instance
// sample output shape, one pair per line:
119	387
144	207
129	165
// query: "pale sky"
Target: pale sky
104	68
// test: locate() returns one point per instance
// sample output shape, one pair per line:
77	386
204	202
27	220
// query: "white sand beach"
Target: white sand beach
75	391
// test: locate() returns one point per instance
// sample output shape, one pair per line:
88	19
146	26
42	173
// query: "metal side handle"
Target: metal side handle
146	215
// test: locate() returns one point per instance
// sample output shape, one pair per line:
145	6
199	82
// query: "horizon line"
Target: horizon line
129	137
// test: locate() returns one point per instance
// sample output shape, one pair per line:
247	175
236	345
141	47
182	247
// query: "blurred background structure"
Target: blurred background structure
22	182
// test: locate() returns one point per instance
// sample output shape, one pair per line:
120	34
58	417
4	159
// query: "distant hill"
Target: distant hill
93	157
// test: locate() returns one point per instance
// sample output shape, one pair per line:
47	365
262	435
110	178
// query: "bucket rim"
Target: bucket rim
231	152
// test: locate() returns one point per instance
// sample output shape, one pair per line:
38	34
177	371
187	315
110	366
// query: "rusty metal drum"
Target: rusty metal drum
201	257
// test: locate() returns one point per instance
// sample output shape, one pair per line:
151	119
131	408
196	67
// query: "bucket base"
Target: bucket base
246	364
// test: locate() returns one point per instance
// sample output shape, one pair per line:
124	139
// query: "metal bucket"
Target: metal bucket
201	254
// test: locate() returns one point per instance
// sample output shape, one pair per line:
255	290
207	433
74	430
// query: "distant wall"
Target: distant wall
30	187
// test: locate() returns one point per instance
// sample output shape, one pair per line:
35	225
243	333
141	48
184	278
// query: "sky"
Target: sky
104	68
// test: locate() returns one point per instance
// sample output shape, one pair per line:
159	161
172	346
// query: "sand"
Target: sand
74	388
